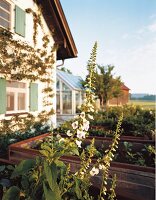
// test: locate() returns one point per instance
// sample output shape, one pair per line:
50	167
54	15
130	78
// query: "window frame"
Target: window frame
10	13
16	91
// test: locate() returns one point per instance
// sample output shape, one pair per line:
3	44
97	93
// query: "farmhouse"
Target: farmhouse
33	36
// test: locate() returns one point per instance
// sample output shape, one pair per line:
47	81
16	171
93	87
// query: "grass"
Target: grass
149	105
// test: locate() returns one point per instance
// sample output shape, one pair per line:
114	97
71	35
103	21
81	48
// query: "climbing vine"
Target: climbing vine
20	61
37	21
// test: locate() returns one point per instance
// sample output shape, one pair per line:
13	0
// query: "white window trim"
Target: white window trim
16	91
11	14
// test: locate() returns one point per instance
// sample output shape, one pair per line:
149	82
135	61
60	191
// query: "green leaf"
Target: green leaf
78	190
51	177
75	151
23	167
2	167
25	183
59	163
5	182
46	147
51	174
44	153
57	154
10	167
12	194
49	194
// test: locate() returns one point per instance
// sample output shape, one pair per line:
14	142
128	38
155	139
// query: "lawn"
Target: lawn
144	104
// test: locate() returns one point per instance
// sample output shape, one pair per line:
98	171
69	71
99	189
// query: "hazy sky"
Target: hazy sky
126	34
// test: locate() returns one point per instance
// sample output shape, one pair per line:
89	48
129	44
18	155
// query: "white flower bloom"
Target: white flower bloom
89	105
58	136
76	116
12	140
81	134
151	112
82	115
101	166
78	143
85	125
90	116
61	140
87	166
94	171
69	133
88	90
75	125
91	109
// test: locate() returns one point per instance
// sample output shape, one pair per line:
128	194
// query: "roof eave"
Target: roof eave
57	23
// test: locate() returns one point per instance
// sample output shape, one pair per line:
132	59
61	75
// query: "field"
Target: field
150	105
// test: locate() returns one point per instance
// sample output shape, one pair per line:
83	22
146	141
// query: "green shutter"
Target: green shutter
19	21
2	96
33	96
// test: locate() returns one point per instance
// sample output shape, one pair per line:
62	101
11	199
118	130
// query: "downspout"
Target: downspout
60	64
60	88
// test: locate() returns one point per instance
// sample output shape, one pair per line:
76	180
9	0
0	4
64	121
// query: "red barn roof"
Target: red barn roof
124	87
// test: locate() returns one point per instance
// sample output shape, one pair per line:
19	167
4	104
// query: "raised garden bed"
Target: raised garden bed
133	182
103	131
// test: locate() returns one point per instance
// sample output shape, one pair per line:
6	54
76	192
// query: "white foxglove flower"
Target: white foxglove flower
78	143
61	140
90	116
76	116
91	109
75	125
101	166
82	115
81	134
86	125
69	133
94	171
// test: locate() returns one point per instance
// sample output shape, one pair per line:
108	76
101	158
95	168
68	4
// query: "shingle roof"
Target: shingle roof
71	80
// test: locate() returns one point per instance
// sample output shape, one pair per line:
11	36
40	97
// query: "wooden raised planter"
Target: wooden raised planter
124	137
133	182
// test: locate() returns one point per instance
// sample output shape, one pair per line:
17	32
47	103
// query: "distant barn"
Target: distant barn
122	99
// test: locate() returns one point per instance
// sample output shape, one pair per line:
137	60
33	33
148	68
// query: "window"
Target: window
58	103
16	93
77	102
66	99
67	102
65	87
57	84
5	14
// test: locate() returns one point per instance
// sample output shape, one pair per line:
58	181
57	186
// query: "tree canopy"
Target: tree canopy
106	86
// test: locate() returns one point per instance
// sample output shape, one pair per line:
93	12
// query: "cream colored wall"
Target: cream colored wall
24	4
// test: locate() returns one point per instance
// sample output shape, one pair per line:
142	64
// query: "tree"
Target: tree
106	86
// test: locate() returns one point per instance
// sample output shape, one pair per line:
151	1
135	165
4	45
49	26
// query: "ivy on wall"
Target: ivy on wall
20	61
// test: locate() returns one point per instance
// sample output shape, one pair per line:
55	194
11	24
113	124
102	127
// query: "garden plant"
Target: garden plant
47	177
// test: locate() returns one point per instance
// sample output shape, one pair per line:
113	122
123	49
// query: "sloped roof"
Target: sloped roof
73	81
124	87
58	25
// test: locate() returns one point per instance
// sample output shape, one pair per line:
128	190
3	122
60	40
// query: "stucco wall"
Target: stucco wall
24	4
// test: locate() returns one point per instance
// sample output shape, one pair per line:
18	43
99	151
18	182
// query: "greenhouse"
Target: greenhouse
70	95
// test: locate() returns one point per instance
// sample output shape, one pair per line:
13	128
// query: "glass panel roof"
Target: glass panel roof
71	80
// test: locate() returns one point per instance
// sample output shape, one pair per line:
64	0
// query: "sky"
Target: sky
126	34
